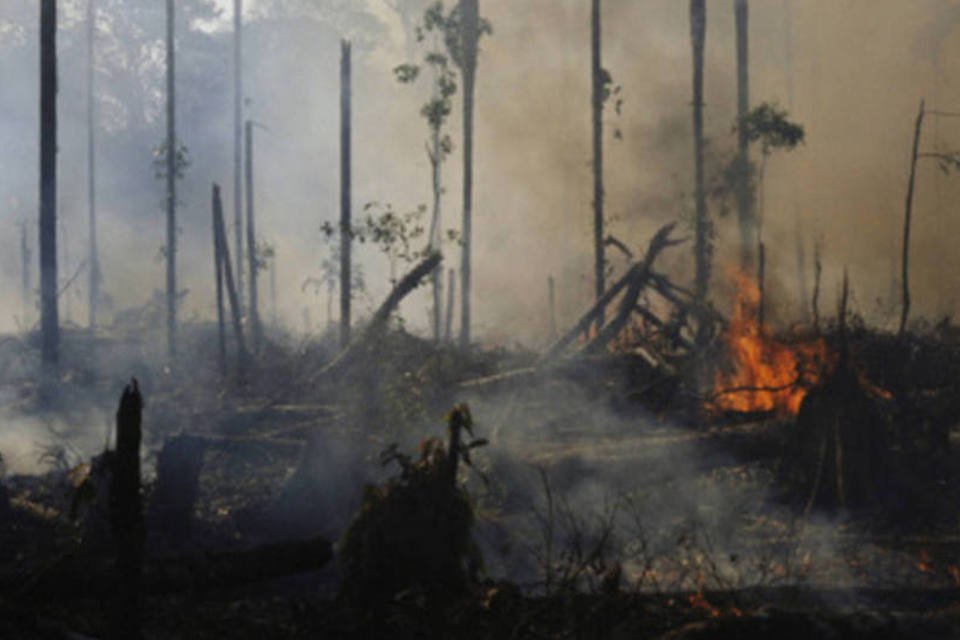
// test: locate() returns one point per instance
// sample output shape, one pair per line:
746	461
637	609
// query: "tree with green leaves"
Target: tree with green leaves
768	126
436	111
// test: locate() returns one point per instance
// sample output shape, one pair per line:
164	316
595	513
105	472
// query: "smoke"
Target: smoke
857	76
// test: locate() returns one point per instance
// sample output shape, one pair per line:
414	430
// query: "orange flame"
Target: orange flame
766	375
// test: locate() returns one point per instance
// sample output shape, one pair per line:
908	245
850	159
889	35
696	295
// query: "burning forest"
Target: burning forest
479	319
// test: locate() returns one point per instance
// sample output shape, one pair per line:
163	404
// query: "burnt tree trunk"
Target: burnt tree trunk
552	307
451	294
761	283
596	82
218	275
171	188
49	320
905	263
698	28
227	268
273	290
817	272
238	143
470	25
127	514
744	197
26	278
93	292
345	221
254	312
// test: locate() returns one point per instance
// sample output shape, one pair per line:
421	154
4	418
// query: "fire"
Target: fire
765	375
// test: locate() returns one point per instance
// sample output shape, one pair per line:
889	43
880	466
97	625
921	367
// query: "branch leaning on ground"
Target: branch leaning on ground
407	284
660	241
639	271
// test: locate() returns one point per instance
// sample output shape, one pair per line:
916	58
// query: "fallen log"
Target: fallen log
75	576
407	284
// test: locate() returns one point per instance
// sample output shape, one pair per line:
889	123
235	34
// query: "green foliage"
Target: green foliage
768	124
181	160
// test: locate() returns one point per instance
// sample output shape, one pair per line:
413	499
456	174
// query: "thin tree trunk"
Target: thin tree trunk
596	82
745	215
905	271
94	259
802	275
218	274
345	221
470	19
49	321
451	292
762	284
817	272
434	242
552	308
238	143
235	310
64	244
26	284
171	188
273	289
698	26
254	311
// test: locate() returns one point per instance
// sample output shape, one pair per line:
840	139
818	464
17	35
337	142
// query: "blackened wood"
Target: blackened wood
49	317
228	277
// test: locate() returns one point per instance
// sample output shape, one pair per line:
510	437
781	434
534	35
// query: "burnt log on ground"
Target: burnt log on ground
73	576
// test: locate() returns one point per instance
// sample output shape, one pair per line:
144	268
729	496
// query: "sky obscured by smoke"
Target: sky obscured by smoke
859	69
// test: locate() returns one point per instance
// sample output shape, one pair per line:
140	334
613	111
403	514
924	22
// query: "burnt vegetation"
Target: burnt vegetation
690	447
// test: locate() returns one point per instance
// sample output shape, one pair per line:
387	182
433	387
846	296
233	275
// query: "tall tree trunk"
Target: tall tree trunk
218	275
817	272
905	264
49	321
345	218
434	244
93	292
698	24
744	197
451	294
255	328
273	290
802	275
171	188
232	295
762	284
552	308
26	280
63	290
470	24
238	142
596	83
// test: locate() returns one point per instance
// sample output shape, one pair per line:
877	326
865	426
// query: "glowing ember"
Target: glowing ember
765	375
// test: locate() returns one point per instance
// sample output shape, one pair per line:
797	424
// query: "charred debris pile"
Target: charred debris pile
282	482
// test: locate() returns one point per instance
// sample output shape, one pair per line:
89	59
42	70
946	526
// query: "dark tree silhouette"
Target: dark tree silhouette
49	321
171	187
345	218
